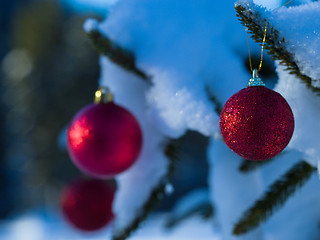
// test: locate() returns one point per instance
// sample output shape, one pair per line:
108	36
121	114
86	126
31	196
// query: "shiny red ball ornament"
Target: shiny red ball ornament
256	123
87	204
104	140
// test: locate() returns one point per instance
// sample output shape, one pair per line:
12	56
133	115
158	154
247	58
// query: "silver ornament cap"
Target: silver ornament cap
255	80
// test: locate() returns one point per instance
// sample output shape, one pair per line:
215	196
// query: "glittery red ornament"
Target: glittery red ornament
87	204
104	139
256	123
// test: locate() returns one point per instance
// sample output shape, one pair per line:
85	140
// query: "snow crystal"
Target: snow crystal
302	35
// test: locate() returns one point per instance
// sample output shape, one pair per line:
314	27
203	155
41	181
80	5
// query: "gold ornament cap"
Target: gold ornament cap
103	95
255	80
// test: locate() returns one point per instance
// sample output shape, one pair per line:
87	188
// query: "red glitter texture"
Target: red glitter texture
87	204
256	123
104	140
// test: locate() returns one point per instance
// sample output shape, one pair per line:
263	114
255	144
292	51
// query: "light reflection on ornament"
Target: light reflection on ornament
79	133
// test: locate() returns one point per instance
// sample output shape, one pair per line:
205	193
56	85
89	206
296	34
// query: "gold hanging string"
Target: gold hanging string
250	64
263	41
262	47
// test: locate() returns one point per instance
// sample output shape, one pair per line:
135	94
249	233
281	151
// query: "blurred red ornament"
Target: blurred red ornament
256	123
87	204
104	140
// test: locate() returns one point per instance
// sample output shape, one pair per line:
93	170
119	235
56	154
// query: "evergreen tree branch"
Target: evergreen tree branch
215	101
156	195
278	193
116	53
248	166
205	210
274	43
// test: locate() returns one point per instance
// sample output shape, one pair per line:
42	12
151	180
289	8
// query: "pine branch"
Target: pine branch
215	101
156	195
274	44
278	193
205	210
248	166
116	53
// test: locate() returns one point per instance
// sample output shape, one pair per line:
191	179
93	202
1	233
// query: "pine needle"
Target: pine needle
278	193
205	210
116	53
156	195
274	44
248	165
215	101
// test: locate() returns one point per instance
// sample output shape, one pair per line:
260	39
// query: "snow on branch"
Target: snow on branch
278	193
113	51
247	166
217	104
156	195
274	43
194	203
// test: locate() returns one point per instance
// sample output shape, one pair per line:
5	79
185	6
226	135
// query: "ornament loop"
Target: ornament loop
103	95
255	80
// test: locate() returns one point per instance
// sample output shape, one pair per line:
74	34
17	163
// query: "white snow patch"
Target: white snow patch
27	228
190	202
300	26
305	106
50	226
90	24
232	192
190	229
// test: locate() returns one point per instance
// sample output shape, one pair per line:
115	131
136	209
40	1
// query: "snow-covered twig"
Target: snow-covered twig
116	53
274	43
155	196
197	202
218	105
248	166
278	193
